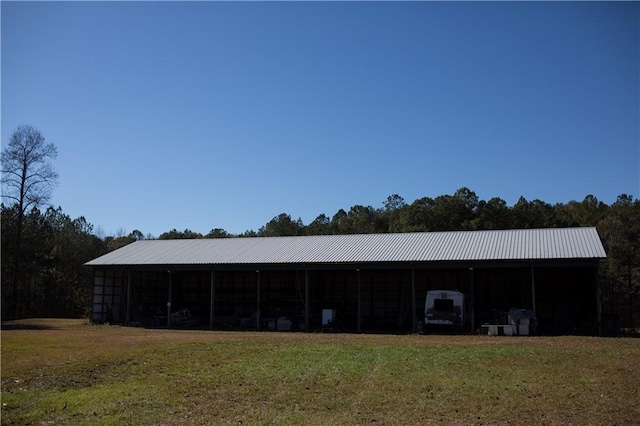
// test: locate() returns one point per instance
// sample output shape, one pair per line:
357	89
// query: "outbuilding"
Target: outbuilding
356	283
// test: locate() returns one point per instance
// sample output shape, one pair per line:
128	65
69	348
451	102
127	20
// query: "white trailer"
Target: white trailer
444	308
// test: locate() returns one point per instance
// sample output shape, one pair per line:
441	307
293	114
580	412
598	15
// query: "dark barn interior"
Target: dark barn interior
360	298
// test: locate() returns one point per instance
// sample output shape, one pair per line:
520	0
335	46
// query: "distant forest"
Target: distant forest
54	283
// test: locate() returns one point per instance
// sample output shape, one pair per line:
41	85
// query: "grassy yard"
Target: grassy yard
68	372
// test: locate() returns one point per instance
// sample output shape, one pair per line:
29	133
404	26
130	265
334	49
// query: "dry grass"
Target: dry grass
68	372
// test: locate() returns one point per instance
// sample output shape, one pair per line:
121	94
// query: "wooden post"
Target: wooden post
413	300
129	292
93	295
213	293
598	303
258	320
307	297
359	300
169	300
533	291
473	303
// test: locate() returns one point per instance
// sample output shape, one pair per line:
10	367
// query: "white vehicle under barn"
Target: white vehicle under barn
444	309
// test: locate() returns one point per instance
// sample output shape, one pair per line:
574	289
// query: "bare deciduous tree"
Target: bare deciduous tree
27	181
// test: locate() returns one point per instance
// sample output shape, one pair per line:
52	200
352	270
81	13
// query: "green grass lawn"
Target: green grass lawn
68	372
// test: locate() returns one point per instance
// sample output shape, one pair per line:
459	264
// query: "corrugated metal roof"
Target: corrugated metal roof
515	244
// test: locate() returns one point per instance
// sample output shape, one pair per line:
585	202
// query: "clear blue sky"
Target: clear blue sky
209	115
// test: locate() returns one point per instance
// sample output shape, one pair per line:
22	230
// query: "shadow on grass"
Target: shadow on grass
10	325
42	324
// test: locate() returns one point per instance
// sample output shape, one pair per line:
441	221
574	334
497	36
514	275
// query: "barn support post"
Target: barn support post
359	299
599	328
307	297
213	294
258	319
169	299
533	291
93	299
473	303
129	292
413	299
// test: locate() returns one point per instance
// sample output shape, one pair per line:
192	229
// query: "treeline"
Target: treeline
461	211
54	282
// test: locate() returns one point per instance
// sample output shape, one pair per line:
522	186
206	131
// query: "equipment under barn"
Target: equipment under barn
365	282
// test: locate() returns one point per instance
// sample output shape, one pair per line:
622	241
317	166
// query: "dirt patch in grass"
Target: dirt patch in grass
75	373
